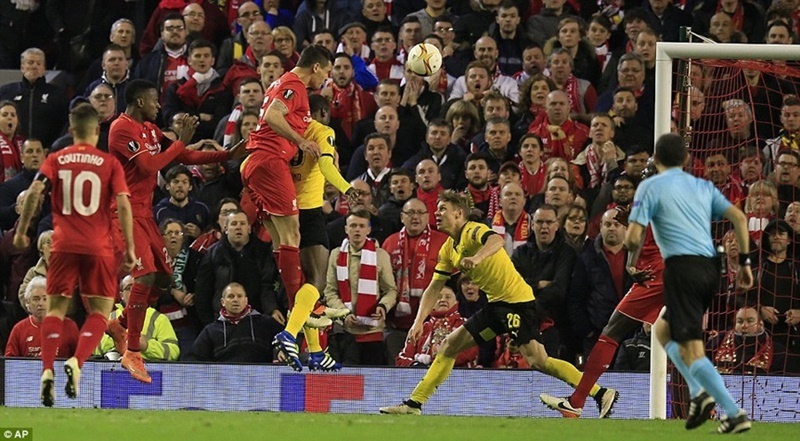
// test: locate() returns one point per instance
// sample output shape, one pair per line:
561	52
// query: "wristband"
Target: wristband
744	260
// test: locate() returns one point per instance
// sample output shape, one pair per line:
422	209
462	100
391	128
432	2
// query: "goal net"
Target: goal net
738	109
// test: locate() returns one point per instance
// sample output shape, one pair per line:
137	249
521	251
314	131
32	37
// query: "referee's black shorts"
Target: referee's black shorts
312	228
690	283
519	320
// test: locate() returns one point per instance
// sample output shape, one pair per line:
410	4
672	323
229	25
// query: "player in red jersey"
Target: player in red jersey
269	186
641	304
138	144
83	182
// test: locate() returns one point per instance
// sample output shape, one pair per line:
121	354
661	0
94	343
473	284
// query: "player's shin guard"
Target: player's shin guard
90	336
52	329
437	373
291	272
599	360
135	310
312	339
566	372
304	302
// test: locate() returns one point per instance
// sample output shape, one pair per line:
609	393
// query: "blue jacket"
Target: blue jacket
592	296
194	212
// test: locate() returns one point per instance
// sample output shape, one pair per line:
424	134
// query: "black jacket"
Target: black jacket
451	168
249	341
216	101
9	191
554	263
42	108
253	267
592	294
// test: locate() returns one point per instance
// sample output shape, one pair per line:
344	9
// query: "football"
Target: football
424	59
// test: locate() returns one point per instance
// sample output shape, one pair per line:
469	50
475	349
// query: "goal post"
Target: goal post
664	93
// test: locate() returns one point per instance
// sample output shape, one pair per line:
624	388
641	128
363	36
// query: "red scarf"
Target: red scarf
10	160
494	202
367	281
430	198
533	183
230	125
602	52
234	319
478	196
403	260
441	86
729	353
596	168
574	93
521	231
383	69
190	96
347	106
737	19
173	4
250	58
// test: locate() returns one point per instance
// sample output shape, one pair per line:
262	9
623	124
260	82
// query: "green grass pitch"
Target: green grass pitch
123	425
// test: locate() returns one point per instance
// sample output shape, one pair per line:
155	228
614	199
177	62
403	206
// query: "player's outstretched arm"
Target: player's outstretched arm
29	204
125	216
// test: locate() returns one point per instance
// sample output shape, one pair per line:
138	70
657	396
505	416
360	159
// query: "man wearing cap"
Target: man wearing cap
354	40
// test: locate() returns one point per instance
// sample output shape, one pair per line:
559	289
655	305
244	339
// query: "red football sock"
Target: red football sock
52	328
291	272
155	293
598	362
123	319
91	333
135	310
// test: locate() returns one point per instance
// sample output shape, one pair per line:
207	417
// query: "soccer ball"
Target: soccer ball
424	59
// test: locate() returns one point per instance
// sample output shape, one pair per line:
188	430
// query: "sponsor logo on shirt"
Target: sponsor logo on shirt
133	146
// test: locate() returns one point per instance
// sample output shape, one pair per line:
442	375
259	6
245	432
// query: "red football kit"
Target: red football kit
137	146
84	182
643	303
25	339
265	173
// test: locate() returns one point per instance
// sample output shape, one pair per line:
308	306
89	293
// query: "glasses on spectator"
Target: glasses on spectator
412	213
787	164
260	34
623	187
102	96
444	29
174	28
251	14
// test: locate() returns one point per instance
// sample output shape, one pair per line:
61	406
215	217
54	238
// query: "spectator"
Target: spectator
238	257
15	262
123	34
444	319
382	225
645	45
413	253
634	353
270	69
277	16
429	187
373	17
497	148
788	135
167	63
194	214
511	222
259	43
101	97
531	166
385	64
533	63
761	206
627	132
11	141
115	73
546	263
202	94
350	100
232	48
317	15
40	269
599	281
544	25
326	38
478	191
511	38
559	195
561	135
32	158
158	341
787	172
532	100
598	35
600	157
570	36
463	116
747	348
666	18
353	267
631	75
622	191
41	107
401	187
575	228
240	334
377	155
26	337
216	24
438	148
582	95
746	17
494	106
635	161
353	36
739	132
751	165
410	34
423	97
177	303
284	42
718	171
225	207
429	14
472	85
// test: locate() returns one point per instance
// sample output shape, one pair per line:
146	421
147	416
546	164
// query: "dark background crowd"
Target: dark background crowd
542	114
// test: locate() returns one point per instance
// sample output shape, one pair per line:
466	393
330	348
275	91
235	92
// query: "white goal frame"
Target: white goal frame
665	52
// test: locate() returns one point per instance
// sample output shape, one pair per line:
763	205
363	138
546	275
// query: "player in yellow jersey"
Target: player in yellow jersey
479	253
309	176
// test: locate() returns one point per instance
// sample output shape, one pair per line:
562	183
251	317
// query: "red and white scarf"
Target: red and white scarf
596	168
573	90
230	125
235	318
347	106
430	199
602	55
521	230
405	260
10	160
737	18
367	281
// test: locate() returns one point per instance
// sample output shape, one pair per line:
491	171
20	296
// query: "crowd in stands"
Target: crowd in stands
542	114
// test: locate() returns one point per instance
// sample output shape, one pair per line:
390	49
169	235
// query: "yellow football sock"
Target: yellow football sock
312	339
437	373
566	373
304	302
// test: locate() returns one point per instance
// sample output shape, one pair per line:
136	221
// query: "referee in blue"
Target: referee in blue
680	208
